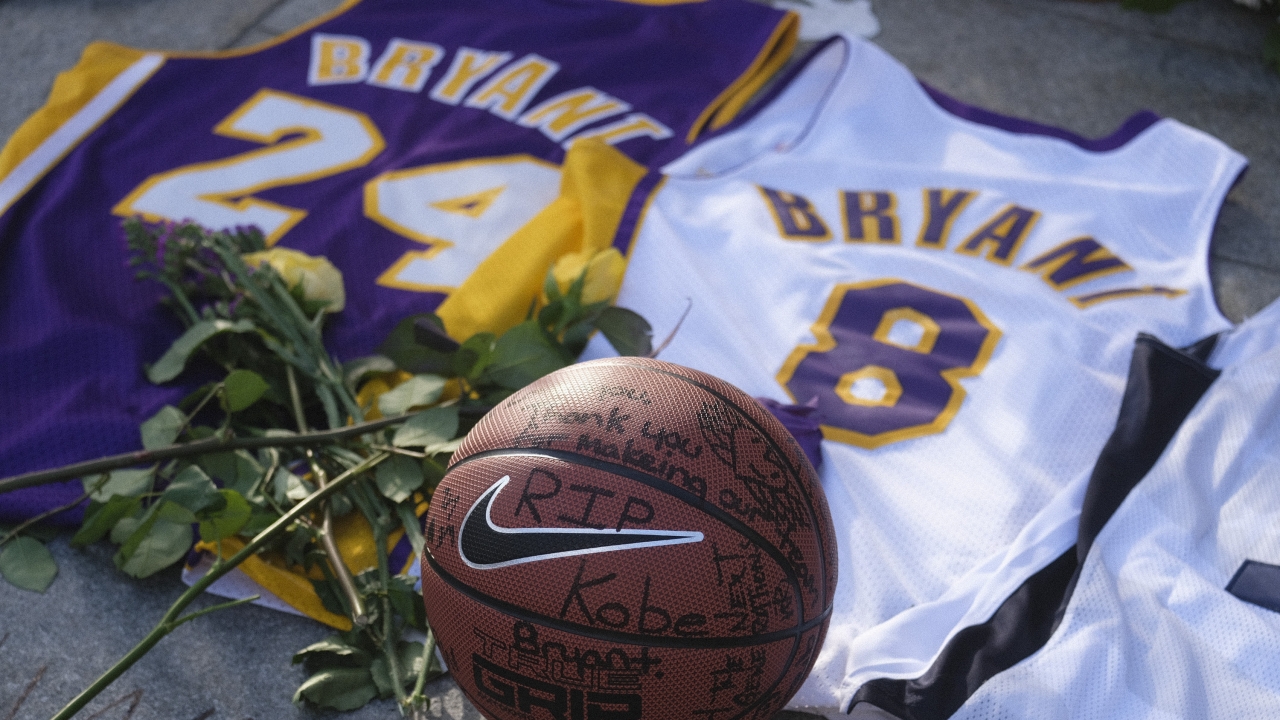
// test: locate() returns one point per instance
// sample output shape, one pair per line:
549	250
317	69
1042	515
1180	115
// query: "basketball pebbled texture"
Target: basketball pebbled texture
627	538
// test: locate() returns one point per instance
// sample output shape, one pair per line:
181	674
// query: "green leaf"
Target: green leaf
409	655
433	471
398	477
125	527
28	564
123	483
428	428
575	337
100	519
164	544
626	331
238	470
474	355
340	504
229	520
295	549
220	466
192	489
243	388
175	358
573	296
175	513
258	522
552	313
287	486
417	390
331	599
162	429
408	354
523	354
551	287
333	651
338	688
408	602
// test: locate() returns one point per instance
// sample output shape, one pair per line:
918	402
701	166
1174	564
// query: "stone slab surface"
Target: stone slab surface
1083	66
40	38
231	665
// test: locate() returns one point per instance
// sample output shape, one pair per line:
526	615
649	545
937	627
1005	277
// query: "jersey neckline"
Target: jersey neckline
777	102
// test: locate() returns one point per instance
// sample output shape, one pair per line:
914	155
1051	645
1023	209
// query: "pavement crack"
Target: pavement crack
30	686
255	24
134	699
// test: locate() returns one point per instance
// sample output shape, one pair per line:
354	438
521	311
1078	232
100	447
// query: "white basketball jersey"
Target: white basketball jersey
1176	611
959	294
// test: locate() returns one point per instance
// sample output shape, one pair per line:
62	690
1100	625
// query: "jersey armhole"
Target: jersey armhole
1204	249
772	56
596	186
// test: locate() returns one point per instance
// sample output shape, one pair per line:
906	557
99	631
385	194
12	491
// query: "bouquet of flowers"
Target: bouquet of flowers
282	452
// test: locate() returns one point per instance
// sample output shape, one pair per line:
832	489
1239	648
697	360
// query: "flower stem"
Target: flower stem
208	445
172	619
418	702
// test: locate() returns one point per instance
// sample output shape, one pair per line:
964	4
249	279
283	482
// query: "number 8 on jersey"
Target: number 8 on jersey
888	360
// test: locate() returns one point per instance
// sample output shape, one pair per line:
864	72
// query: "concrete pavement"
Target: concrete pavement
1083	66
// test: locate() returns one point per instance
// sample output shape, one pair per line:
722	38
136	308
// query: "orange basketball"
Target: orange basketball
626	539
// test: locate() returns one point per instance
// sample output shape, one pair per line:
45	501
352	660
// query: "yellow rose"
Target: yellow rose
604	274
319	279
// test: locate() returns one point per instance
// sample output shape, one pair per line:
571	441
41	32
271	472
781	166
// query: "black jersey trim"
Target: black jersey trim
1257	583
1023	624
1164	385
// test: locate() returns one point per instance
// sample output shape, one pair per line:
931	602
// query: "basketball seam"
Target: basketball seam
813	514
662	641
667	488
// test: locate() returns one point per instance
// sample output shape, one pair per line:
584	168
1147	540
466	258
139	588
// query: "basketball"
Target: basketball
627	538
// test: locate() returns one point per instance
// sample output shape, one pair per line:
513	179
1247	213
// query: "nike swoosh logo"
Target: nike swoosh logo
484	545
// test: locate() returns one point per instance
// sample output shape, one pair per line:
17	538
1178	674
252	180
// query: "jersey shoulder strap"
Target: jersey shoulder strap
82	97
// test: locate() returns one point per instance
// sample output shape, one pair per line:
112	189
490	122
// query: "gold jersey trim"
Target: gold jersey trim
356	544
99	65
596	182
772	56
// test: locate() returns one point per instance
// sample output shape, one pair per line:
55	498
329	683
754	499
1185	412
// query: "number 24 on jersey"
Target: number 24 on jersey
461	210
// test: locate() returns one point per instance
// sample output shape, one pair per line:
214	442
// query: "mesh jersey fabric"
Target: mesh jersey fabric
1153	628
401	139
861	224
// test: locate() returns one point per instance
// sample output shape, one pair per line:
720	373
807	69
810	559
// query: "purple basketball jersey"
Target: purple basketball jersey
401	139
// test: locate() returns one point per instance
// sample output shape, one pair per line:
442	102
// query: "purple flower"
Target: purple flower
803	423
